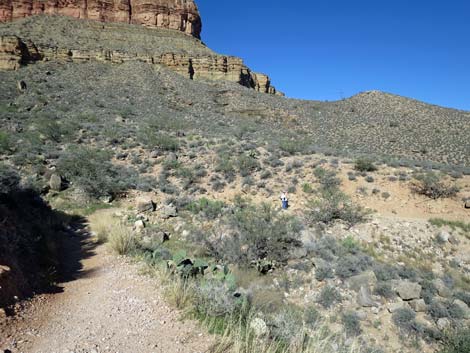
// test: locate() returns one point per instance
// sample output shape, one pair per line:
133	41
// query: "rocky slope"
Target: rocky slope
30	40
177	15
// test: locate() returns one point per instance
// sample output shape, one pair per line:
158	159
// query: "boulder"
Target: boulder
443	237
408	290
259	327
364	298
55	182
392	307
418	305
168	211
463	307
442	289
21	85
366	279
443	324
145	205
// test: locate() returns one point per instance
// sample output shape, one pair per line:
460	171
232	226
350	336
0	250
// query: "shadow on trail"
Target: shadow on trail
40	248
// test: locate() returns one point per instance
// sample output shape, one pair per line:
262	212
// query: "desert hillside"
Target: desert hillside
140	183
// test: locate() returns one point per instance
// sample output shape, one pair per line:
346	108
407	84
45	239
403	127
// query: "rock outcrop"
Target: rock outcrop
181	15
15	52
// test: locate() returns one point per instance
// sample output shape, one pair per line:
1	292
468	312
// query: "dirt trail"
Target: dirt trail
106	306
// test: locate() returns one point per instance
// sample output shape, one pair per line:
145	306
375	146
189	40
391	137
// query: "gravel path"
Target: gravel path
108	307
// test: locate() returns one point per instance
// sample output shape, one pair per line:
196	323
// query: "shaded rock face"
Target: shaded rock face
181	15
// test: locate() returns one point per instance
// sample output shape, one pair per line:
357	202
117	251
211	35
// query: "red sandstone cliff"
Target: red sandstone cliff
182	15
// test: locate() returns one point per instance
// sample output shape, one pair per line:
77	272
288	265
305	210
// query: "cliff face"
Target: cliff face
15	52
181	15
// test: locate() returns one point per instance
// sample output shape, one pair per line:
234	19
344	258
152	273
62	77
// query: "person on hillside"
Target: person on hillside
284	200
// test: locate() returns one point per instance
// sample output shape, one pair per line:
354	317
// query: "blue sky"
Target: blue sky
332	49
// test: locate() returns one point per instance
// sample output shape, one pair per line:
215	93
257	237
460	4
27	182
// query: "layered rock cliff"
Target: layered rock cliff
181	15
15	52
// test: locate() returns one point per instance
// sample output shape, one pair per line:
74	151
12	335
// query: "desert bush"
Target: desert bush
351	265
385	272
157	140
404	319
287	324
215	298
351	324
259	233
429	184
225	166
91	171
457	341
266	174
9	179
364	165
247	165
333	205
384	289
291	146
210	209
307	188
323	272
312	317
120	239
5	142
329	296
326	178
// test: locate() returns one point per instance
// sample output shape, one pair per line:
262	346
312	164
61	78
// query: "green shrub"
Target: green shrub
307	188
258	233
323	272
329	296
351	265
351	324
5	142
247	165
9	179
120	239
91	171
215	298
404	319
333	205
364	165
429	184
287	325
457	341
384	289
158	140
326	178
210	209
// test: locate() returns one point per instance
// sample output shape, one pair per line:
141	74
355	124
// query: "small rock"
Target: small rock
168	211
366	279
155	154
259	327
418	305
298	253
396	306
4	270
467	204
55	182
463	307
442	289
364	298
172	157
139	225
3	314
443	237
443	323
145	206
408	290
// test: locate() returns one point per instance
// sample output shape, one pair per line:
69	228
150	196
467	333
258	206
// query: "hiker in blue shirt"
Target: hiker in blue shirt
284	200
